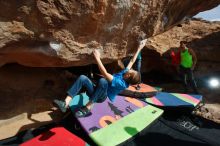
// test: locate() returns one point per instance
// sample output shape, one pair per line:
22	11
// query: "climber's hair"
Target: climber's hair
134	78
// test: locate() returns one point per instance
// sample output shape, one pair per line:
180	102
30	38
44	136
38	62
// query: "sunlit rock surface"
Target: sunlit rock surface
202	36
57	33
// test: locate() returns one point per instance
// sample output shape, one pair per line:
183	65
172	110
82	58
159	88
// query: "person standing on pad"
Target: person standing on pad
138	68
108	86
188	61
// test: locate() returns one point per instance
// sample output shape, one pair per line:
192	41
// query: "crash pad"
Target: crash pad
122	119
57	136
164	99
144	91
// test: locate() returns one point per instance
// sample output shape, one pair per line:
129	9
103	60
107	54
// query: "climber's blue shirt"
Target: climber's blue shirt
117	85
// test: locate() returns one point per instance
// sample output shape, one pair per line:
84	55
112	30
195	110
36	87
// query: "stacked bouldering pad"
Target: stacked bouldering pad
114	123
164	99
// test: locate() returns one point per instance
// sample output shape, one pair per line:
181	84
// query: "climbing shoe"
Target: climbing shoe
60	105
83	112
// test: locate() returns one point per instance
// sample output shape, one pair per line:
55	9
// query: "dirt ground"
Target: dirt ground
26	96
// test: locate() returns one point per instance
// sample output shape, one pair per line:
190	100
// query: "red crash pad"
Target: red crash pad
58	136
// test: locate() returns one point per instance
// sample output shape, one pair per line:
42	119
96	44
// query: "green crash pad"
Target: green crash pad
126	127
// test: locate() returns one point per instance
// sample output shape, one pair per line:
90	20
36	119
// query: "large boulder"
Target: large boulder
58	33
202	36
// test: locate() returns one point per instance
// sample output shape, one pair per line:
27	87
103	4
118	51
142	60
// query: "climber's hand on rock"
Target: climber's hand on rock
96	53
142	44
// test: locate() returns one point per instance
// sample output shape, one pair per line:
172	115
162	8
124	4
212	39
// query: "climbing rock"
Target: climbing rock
29	27
201	36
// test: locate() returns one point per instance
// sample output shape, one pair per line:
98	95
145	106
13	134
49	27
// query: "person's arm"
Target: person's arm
140	47
193	57
102	69
120	64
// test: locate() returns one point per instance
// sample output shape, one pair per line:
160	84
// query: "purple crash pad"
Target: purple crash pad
106	112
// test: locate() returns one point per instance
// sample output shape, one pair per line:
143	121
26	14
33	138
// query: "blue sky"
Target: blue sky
211	15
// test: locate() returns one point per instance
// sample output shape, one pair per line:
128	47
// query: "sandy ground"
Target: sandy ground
26	96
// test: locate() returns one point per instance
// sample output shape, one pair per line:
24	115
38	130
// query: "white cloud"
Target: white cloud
218	19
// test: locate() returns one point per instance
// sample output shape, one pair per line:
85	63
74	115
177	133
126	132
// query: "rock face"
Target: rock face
198	33
202	36
54	33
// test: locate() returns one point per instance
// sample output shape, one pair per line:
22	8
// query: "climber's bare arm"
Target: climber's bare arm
102	69
140	47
